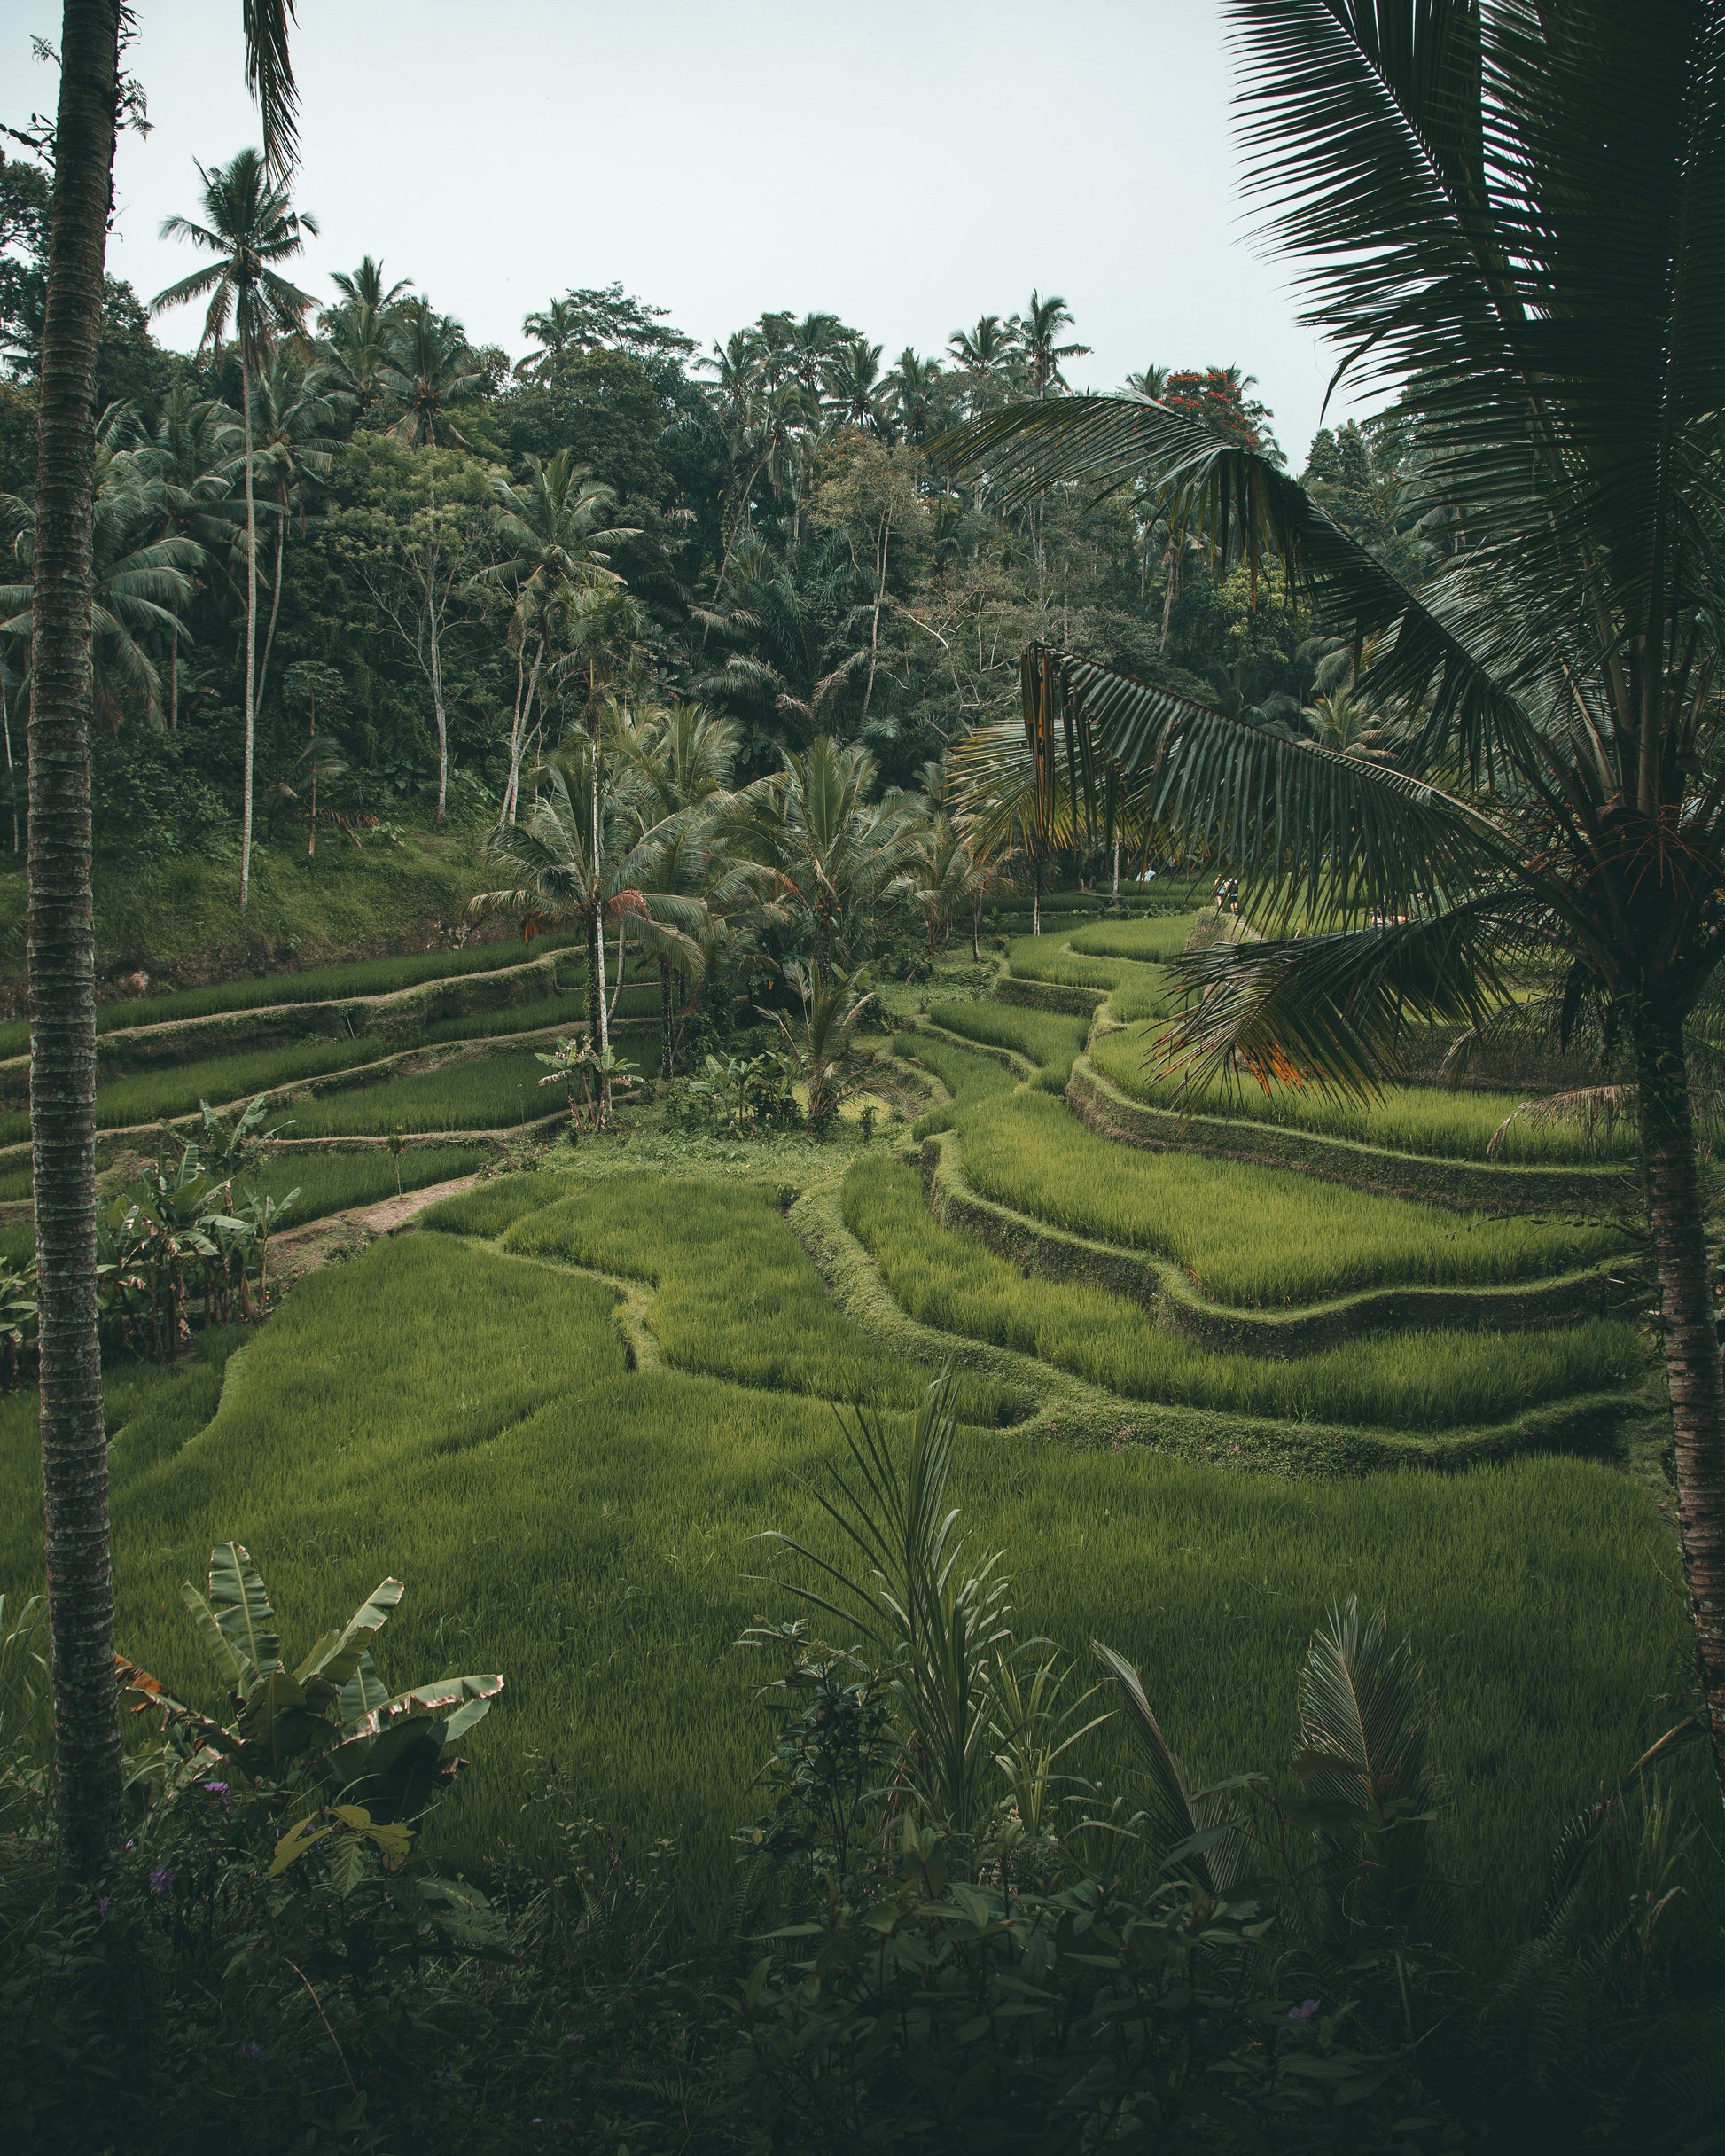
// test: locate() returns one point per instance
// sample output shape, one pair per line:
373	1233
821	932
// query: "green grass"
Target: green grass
1415	1381
967	1076
739	1296
518	1017
466	1423
489	1208
1161	937
1135	990
489	1092
1050	1039
151	1096
1407	1118
330	1182
1046	957
1255	1236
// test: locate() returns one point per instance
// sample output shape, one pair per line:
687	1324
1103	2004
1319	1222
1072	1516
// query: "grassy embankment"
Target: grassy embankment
1258	1238
591	1531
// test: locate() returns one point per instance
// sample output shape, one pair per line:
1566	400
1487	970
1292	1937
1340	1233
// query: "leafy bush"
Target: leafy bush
1260	1237
1413	1381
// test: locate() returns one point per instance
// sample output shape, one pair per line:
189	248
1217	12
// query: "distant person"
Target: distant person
1221	893
1234	895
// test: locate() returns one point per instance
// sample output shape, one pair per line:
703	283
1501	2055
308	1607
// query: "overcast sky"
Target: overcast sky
909	166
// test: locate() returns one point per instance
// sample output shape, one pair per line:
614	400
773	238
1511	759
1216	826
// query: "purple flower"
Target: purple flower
102	1908
1304	2010
253	2050
216	1789
162	1880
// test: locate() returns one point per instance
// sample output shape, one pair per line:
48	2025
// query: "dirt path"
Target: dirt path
298	1250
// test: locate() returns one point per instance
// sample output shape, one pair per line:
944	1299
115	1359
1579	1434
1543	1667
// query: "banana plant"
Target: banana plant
330	1722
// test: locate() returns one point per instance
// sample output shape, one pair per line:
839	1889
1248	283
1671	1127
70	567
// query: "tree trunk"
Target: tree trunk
434	610
618	990
173	681
275	603
62	961
666	1056
1693	1374
251	634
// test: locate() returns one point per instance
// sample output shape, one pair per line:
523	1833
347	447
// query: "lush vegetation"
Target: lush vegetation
1247	1235
489	1091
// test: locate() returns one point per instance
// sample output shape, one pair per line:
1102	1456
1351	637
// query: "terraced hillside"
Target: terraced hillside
1204	1392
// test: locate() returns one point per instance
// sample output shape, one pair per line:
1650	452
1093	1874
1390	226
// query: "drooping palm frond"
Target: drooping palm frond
1332	1010
269	77
1321	829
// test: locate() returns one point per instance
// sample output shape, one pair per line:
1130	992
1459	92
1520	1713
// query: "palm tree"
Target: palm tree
946	877
60	944
579	866
355	334
855	393
557	547
140	583
250	227
295	446
1520	234
795	629
920	396
986	353
1036	330
558	331
426	367
674	770
191	455
834	853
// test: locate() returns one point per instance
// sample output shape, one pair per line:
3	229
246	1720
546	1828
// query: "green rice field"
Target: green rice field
486	1092
591	1531
1407	1118
1413	1381
737	1295
1050	1039
1257	1237
966	1075
319	984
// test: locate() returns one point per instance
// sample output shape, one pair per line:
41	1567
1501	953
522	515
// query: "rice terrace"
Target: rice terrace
860	1222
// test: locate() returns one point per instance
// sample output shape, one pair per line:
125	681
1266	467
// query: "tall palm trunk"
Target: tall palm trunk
667	1051
435	641
62	960
275	600
1694	1378
251	632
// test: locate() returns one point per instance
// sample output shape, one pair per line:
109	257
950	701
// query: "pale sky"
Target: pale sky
909	166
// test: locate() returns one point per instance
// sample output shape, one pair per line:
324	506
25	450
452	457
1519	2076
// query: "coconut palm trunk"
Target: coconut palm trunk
1694	1378
62	961
251	631
667	1050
